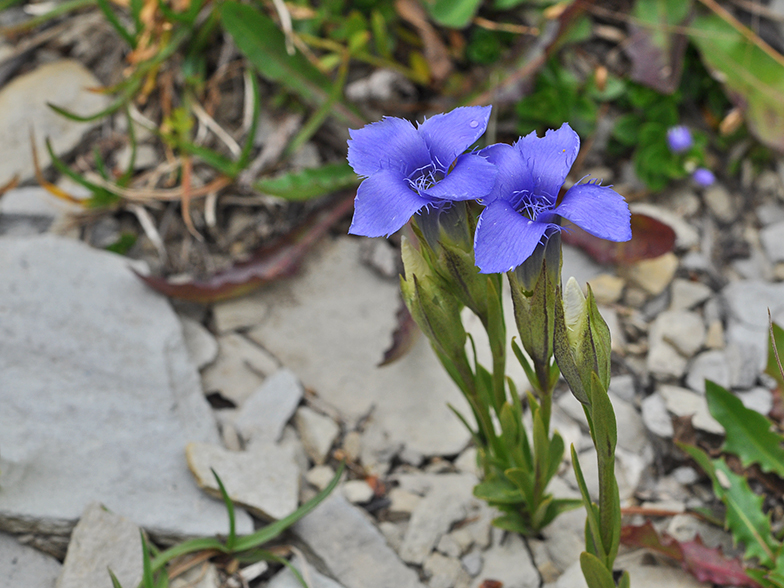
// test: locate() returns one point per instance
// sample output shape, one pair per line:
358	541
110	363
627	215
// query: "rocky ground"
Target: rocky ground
117	402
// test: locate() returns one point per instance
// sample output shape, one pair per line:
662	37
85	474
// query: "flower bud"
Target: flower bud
679	139
582	342
435	311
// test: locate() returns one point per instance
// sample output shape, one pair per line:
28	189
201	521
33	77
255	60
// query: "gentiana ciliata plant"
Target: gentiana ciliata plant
477	215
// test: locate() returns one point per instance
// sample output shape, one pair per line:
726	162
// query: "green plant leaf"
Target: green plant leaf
752	78
147	569
115	22
455	14
115	581
309	183
592	529
596	575
745	519
776	348
496	490
749	434
260	40
232	537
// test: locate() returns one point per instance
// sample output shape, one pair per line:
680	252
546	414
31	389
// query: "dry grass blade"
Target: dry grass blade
219	131
148	226
167	195
179	568
285	24
9	185
505	27
436	53
185	204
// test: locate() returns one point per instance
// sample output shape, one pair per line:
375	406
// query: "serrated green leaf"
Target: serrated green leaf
262	42
745	519
309	183
596	575
749	434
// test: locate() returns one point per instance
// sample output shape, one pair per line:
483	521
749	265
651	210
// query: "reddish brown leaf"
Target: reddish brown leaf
403	339
705	564
650	238
491	584
278	260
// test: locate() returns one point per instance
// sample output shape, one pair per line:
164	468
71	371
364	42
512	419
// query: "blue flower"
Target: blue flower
704	177
523	210
679	139
410	168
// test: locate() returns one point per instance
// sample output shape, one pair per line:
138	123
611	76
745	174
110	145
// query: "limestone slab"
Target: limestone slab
331	324
268	409
23	107
99	396
102	541
353	549
21	565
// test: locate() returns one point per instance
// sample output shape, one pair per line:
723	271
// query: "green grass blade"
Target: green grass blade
231	540
309	183
749	434
113	107
115	581
190	546
115	22
147	576
242	162
271	531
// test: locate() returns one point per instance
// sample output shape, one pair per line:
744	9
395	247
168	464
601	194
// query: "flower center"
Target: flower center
425	178
529	204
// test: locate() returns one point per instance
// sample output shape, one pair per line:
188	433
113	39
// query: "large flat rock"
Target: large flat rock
99	396
331	324
23	108
21	565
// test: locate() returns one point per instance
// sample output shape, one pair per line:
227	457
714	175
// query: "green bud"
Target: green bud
534	287
582	342
436	311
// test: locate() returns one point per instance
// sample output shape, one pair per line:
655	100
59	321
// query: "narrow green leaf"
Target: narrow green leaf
147	577
231	540
259	39
115	22
775	350
271	531
309	183
113	107
592	520
247	148
749	434
596	575
115	581
558	506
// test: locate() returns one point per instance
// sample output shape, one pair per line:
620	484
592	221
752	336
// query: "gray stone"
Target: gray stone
653	275
721	203
285	578
335	293
772	238
655	416
352	548
382	84
632	434
617	335
240	313
577	264
685	475
508	562
239	369
24	566
565	538
146	157
102	541
682	402
265	480
402	502
682	329
686	294
320	476
201	576
472	562
100	397
445	503
607	288
711	365
32	210
393	533
624	387
266	411
357	491
24	107
664	362
317	431
759	399
769	213
445	572
201	345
